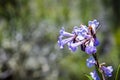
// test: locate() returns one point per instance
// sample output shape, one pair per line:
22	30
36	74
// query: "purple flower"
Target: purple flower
73	47
94	75
61	42
92	32
90	49
90	62
93	24
63	33
107	70
90	45
81	32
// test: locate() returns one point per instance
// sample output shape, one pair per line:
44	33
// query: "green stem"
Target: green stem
97	65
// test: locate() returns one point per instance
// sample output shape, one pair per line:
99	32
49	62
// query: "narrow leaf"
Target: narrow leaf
117	73
89	77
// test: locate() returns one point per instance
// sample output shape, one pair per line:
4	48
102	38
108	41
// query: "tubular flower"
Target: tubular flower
107	70
93	41
61	41
93	24
90	48
90	62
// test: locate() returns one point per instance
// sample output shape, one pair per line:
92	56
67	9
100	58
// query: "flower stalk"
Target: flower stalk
97	65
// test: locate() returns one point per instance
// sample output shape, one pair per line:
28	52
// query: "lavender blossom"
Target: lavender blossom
107	70
90	45
93	24
90	48
90	62
62	42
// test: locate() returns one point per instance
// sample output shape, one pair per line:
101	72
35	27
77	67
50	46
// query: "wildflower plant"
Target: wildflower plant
85	38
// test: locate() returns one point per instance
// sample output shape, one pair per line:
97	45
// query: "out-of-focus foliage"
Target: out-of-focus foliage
29	31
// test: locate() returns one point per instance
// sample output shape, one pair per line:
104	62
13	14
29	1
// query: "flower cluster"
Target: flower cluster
85	38
82	36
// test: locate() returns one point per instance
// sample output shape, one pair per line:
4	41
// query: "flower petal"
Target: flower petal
96	42
72	48
64	33
94	75
80	37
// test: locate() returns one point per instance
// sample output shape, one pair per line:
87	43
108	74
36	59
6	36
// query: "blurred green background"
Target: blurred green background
29	30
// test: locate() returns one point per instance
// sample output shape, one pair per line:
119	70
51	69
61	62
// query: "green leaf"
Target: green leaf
89	77
118	73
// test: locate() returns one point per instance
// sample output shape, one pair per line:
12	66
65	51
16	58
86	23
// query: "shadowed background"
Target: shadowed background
29	30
